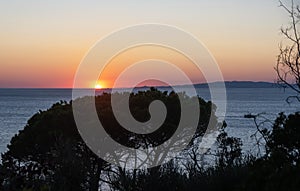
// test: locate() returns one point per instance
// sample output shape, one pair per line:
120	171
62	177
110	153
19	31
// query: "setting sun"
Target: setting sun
98	86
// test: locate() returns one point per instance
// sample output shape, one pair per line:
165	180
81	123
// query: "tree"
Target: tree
288	61
279	168
283	145
229	150
49	154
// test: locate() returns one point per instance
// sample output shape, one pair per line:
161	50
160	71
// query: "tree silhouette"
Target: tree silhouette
279	168
288	61
49	153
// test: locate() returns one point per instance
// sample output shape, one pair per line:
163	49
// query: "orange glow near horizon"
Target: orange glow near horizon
137	54
42	44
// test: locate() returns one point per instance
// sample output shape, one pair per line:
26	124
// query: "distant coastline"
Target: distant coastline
241	84
230	84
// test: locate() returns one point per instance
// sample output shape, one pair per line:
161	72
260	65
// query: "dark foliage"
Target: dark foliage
49	154
229	150
279	169
139	104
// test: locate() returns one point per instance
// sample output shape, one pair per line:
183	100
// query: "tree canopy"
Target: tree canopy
49	154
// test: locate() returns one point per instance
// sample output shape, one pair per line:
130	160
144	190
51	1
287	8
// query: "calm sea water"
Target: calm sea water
18	105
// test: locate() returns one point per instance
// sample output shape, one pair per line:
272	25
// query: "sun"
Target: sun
98	86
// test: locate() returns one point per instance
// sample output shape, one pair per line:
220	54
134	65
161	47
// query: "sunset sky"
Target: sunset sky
43	42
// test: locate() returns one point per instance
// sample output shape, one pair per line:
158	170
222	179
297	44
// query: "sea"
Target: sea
18	105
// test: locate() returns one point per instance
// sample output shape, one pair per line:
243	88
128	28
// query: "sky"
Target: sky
43	42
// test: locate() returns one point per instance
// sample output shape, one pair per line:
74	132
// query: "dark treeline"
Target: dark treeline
49	153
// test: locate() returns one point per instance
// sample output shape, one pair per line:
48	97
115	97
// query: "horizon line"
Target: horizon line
159	86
